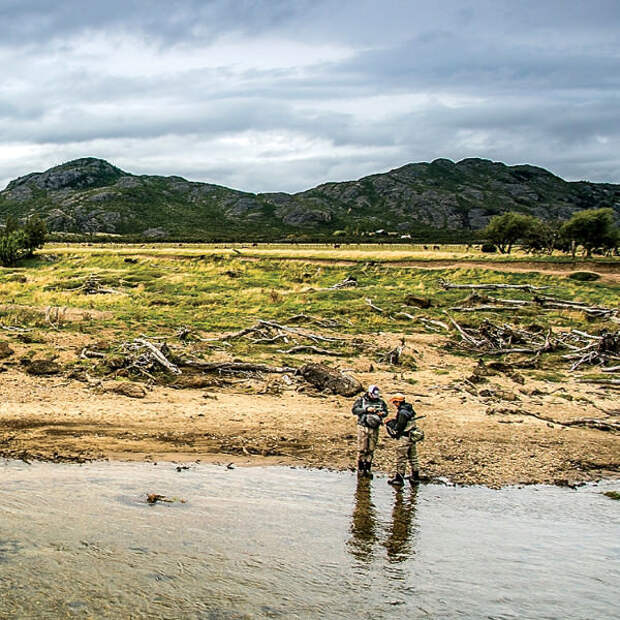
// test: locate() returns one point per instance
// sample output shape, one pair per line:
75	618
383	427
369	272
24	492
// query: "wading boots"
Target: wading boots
396	481
414	479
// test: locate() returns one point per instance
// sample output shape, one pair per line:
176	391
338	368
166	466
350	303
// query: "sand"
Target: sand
66	420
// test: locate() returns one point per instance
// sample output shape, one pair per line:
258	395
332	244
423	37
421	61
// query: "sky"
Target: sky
282	95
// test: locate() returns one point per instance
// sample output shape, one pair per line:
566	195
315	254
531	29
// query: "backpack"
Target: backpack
371	420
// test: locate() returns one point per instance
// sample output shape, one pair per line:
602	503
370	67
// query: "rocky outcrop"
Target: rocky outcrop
91	196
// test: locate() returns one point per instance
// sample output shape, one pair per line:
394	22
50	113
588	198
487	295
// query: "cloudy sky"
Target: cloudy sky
268	95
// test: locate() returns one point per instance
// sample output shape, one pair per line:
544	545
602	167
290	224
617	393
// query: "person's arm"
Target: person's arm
401	422
383	409
358	407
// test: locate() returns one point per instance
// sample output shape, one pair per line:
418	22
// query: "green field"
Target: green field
211	289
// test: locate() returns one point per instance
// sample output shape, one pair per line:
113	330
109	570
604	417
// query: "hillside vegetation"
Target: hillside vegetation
441	200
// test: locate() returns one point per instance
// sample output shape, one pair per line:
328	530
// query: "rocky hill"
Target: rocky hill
92	196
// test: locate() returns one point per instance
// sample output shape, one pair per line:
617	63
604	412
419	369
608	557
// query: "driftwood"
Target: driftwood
306	318
611	382
55	316
598	350
592	423
490	286
87	353
234	367
308	348
404	315
591	311
373	307
348	282
93	286
431	322
484	308
268	330
393	355
145	356
15	329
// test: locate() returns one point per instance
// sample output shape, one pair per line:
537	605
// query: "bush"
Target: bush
488	248
11	247
18	242
584	276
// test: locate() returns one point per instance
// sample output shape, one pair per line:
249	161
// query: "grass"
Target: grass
212	290
351	252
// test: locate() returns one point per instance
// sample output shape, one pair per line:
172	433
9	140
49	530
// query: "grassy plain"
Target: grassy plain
214	289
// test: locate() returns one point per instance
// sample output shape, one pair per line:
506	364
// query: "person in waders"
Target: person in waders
403	429
370	410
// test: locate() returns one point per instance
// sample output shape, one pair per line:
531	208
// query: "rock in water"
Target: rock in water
323	377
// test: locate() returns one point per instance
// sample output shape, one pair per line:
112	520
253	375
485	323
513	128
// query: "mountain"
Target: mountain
91	195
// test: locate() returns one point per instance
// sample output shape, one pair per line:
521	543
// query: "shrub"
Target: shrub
17	242
584	276
12	247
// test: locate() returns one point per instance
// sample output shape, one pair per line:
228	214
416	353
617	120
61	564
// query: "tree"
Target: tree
11	247
543	237
505	230
34	232
592	228
11	224
17	242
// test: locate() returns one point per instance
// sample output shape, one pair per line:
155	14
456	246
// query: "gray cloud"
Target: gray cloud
282	95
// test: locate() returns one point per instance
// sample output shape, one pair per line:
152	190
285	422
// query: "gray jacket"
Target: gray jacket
364	403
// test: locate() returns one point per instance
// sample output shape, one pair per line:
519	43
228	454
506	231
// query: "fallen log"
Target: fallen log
612	382
348	282
593	423
233	367
464	334
158	355
373	307
483	308
491	286
310	349
307	318
15	329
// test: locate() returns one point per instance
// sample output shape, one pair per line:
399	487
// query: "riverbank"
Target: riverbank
511	375
490	437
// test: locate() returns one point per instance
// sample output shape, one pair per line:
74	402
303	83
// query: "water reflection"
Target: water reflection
397	536
399	543
363	523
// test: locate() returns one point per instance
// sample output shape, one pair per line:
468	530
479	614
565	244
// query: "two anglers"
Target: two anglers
371	410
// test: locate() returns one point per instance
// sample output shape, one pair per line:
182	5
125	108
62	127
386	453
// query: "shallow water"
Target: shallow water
80	541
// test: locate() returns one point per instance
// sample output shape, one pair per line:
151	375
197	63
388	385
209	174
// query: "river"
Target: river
80	541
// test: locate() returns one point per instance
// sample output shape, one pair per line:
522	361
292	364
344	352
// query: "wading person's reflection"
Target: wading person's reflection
364	527
399	542
363	523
